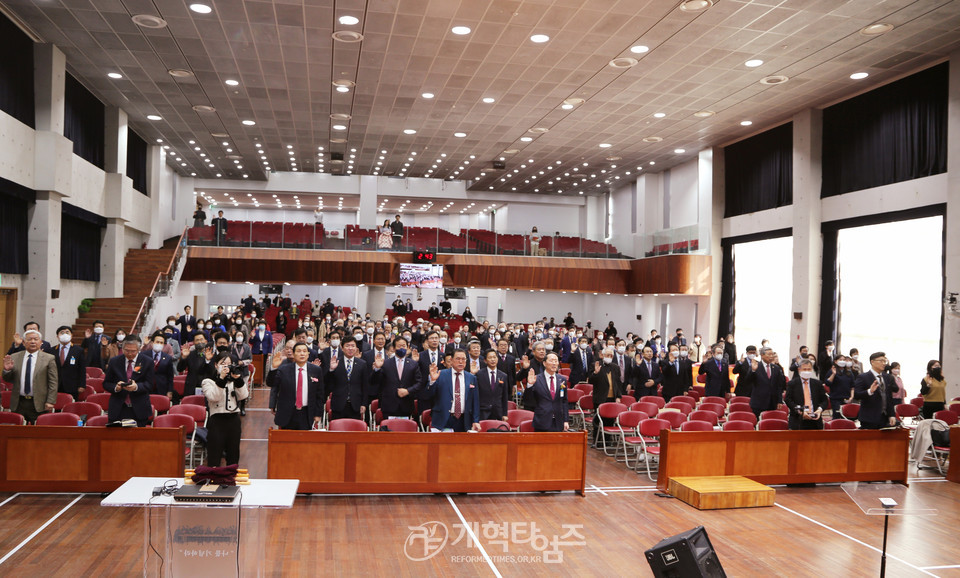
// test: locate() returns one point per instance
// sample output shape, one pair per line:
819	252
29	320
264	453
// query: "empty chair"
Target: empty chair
627	400
516	416
347	424
646	407
194	400
696	425
62	400
655	399
739	406
94	372
683	399
5	399
674	418
738	425
95	384
905	411
772	425
101	399
716	399
97	421
526	426
947	416
10	418
495	424
839	423
650	442
680	406
610	411
425	419
773	414
199	416
628	423
574	396
513	404
746	416
917	401
703	415
59	418
850	411
714	407
84	409
586	388
399	425
176	420
696	395
160	403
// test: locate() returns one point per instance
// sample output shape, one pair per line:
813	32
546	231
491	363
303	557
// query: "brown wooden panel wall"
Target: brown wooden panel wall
783	457
400	462
681	274
85	459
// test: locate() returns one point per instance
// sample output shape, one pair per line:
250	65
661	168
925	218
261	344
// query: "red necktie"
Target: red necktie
768	371
457	407
299	404
553	391
126	400
63	354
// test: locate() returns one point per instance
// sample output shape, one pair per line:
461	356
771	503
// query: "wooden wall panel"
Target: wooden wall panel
680	274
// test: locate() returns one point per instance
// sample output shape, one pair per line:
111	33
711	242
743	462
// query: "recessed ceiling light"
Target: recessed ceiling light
623	62
460	30
566	106
248	122
149	21
339	127
775	79
231	82
859	75
876	29
339	116
679	151
695	5
639	49
201	8
427	95
652	139
204	108
343	85
114	75
539	38
526	138
349	20
180	73
753	63
460	134
489	100
348	36
704	113
154	117
409	131
605	145
659	114
746	122
538	130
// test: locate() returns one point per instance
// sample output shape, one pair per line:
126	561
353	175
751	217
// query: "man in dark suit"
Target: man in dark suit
396	230
377	351
186	319
494	388
827	358
33	374
624	362
806	399
348	382
129	378
766	381
332	352
875	391
507	362
741	369
607	387
717	372
220	226
730	349
675	374
92	345
300	391
431	355
18	344
399	382
456	401
679	339
581	361
647	375
531	367
549	396
71	367
162	368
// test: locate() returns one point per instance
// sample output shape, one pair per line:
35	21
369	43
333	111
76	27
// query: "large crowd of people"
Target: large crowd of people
463	370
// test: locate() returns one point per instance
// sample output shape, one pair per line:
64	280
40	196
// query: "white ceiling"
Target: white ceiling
284	59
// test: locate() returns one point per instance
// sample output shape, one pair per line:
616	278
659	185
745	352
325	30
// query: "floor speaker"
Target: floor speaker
684	556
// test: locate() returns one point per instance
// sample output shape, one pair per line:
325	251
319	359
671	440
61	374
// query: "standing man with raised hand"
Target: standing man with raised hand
456	404
71	368
396	230
549	393
33	374
806	399
875	390
717	372
300	393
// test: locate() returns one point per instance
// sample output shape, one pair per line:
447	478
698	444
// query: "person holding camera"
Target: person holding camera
224	392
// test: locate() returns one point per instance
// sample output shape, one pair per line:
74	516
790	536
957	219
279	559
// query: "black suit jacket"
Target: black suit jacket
718	380
220	223
163	374
578	371
284	381
92	346
358	385
386	382
142	375
549	413
493	400
602	385
676	380
642	375
72	374
508	364
197	367
872	411
765	393
794	399
186	320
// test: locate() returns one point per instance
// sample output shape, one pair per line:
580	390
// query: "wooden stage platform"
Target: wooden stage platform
721	492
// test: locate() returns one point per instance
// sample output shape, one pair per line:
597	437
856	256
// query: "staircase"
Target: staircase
140	269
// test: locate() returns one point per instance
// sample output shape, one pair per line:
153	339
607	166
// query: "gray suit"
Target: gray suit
43	382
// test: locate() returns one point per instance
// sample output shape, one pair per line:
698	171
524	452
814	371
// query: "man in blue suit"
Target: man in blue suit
581	361
875	391
717	372
456	401
300	391
549	397
162	367
399	382
348	382
647	374
129	378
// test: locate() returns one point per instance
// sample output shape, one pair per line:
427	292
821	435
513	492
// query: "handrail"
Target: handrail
161	277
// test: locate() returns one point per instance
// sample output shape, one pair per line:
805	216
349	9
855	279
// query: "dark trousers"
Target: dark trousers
299	419
798	423
835	406
346	413
490	413
223	435
931	407
26	408
126	412
885	422
456	424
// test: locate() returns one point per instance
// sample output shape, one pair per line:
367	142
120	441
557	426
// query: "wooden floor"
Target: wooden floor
809	532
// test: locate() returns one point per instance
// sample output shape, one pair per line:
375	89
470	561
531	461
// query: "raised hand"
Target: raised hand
596	367
17	340
415	356
876	384
525	362
378	363
7	363
87	333
185	350
754	365
277	360
531	377
334	363
208	353
316	362
322	344
434	372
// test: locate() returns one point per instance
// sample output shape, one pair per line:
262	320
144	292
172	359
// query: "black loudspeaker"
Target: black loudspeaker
336	156
684	556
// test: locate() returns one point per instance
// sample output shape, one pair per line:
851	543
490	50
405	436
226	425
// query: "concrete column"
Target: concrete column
950	354
374	300
367	215
807	239
43	240
115	141
717	207
112	251
49	75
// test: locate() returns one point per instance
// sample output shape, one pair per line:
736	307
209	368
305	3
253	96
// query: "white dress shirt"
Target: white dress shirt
23	372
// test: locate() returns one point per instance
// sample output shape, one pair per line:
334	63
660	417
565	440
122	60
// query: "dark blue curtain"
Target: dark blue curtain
728	292
83	122
892	134
16	73
80	239
829	289
137	161
758	172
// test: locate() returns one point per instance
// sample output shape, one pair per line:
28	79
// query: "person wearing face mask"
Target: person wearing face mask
607	387
332	352
840	380
900	394
855	366
112	348
129	380
225	390
933	389
71	368
467	316
610	331
261	346
805	399
397	383
717	374
624	362
875	390
581	361
163	365
359	337
827	358
696	349
433	312
456	344
647	377
765	380
676	376
742	368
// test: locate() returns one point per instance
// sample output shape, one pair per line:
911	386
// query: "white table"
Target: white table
196	538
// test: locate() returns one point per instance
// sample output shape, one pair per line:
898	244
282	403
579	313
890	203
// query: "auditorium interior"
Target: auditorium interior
776	171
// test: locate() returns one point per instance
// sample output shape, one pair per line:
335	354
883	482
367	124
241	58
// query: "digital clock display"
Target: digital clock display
424	257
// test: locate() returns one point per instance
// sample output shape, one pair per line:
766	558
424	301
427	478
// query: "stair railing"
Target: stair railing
161	286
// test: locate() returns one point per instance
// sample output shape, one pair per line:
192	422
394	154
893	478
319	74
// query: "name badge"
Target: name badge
73	361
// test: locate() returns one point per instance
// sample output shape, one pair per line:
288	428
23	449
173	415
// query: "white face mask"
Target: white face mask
855	357
842	364
369	330
65	338
608	360
443	341
718	357
333	342
751	356
309	339
98	330
358	336
584	346
549	346
456	340
253	315
830	349
120	336
895	371
239	338
209	326
621	349
157	347
806	375
684	353
171	324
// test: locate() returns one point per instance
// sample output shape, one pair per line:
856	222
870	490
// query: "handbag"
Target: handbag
499	428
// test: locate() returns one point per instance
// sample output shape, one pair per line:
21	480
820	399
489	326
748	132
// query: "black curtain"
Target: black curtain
892	134
83	122
758	172
829	290
13	231
80	239
16	73
137	161
728	292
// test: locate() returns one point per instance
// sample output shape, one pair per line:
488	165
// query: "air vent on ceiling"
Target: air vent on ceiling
499	165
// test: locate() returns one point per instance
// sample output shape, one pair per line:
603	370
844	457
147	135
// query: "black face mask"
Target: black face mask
223	348
936	372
